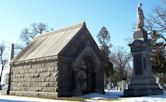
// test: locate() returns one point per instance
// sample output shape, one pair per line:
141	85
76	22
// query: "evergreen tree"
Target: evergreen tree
104	40
158	56
105	45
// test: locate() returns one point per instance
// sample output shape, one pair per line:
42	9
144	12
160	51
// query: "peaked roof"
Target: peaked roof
49	44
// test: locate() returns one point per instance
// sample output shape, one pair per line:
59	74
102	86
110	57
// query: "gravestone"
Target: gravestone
142	81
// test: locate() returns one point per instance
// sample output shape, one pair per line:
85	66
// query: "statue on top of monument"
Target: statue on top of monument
140	17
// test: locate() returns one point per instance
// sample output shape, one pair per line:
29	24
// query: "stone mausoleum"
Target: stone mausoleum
66	62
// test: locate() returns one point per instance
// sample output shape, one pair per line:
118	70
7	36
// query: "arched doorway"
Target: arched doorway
84	74
91	79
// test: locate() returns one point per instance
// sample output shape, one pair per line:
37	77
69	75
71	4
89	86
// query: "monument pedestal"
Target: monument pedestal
142	81
142	86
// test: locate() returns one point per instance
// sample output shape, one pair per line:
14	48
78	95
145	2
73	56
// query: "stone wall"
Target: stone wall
65	83
34	79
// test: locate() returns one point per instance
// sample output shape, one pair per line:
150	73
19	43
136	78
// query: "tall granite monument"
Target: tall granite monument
142	81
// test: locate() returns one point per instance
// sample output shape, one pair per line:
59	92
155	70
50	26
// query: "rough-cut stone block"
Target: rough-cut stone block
51	69
48	79
46	74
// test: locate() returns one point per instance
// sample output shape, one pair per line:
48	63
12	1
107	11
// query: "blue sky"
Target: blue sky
117	15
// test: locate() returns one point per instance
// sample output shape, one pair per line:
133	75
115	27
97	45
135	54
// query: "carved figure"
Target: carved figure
140	17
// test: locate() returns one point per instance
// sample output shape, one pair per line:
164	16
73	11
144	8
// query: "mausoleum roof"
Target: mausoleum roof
49	44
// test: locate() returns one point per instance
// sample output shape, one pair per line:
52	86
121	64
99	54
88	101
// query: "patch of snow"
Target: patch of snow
92	97
108	94
116	94
6	98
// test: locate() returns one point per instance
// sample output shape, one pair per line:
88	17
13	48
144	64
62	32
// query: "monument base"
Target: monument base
140	34
142	86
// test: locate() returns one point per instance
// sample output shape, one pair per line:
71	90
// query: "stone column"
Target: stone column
76	90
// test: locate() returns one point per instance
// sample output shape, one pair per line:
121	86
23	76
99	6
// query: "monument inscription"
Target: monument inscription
138	66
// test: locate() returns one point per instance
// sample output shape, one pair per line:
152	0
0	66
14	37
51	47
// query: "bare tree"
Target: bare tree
28	33
156	27
120	59
157	20
2	58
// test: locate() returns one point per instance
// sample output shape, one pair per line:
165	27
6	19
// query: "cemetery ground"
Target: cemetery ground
109	96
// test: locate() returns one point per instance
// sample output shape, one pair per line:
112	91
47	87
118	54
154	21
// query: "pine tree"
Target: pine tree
105	45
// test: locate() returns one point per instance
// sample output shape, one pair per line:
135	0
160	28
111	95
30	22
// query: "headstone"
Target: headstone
124	85
142	81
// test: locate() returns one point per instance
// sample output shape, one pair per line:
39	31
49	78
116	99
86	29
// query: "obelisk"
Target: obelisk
6	88
142	81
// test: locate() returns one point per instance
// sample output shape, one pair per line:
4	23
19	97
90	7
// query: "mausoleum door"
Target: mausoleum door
90	74
84	67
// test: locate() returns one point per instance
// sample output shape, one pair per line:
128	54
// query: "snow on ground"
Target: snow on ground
28	99
117	95
111	95
108	94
